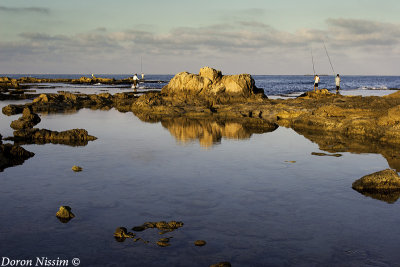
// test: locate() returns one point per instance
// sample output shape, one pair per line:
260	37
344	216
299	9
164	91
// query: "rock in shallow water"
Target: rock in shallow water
64	214
382	181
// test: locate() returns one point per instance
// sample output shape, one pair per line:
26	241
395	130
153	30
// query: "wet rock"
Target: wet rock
164	242
162	225
317	94
64	214
27	120
12	155
221	264
42	136
121	234
324	154
76	168
383	181
200	243
12	109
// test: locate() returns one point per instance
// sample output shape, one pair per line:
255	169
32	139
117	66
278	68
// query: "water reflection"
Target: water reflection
336	142
388	197
12	155
209	131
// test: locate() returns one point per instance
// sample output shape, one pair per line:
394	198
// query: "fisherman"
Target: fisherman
135	81
142	76
337	81
316	81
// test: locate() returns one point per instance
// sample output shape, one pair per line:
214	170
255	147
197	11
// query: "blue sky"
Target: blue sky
254	36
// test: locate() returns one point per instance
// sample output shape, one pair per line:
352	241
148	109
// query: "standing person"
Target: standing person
142	76
337	82
135	81
316	82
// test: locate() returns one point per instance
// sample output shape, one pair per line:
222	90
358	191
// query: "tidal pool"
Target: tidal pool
257	199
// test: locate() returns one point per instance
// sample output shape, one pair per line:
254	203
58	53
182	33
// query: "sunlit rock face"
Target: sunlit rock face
210	82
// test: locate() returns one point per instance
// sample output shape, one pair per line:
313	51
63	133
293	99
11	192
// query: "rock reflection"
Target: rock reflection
336	142
388	197
12	155
210	131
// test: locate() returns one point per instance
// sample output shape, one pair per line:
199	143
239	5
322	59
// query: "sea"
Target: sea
256	198
273	85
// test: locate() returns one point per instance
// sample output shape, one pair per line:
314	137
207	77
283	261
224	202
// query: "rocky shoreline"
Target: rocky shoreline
334	121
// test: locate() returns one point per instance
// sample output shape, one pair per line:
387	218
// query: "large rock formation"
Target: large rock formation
211	82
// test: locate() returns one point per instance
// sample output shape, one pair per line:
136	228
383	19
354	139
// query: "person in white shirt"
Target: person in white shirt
337	82
142	76
316	82
135	81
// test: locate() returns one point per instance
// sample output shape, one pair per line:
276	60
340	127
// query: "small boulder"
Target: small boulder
77	168
200	243
382	181
64	214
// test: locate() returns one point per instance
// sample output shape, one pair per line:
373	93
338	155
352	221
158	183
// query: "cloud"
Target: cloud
21	10
347	37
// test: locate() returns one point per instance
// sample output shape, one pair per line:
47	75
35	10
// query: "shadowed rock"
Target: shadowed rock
64	214
221	264
12	155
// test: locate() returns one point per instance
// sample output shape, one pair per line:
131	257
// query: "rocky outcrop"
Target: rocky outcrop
74	137
382	181
211	82
12	155
27	120
383	185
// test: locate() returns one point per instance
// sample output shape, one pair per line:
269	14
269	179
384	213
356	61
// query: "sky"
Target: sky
362	37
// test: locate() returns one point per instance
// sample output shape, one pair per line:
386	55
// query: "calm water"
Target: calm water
273	85
235	190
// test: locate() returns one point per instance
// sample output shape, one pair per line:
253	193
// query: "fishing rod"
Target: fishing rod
312	59
330	62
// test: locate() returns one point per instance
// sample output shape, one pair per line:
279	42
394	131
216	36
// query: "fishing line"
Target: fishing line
328	58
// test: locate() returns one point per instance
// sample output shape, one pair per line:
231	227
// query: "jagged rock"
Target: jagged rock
200	243
382	181
11	155
28	120
211	82
64	214
12	109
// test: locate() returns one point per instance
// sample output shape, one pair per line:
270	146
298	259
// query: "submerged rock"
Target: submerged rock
200	243
221	264
11	155
64	214
164	242
121	233
383	181
324	154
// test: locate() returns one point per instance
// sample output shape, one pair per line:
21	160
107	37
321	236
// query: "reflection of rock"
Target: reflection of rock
27	120
11	155
64	214
383	185
324	154
74	137
335	142
210	132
